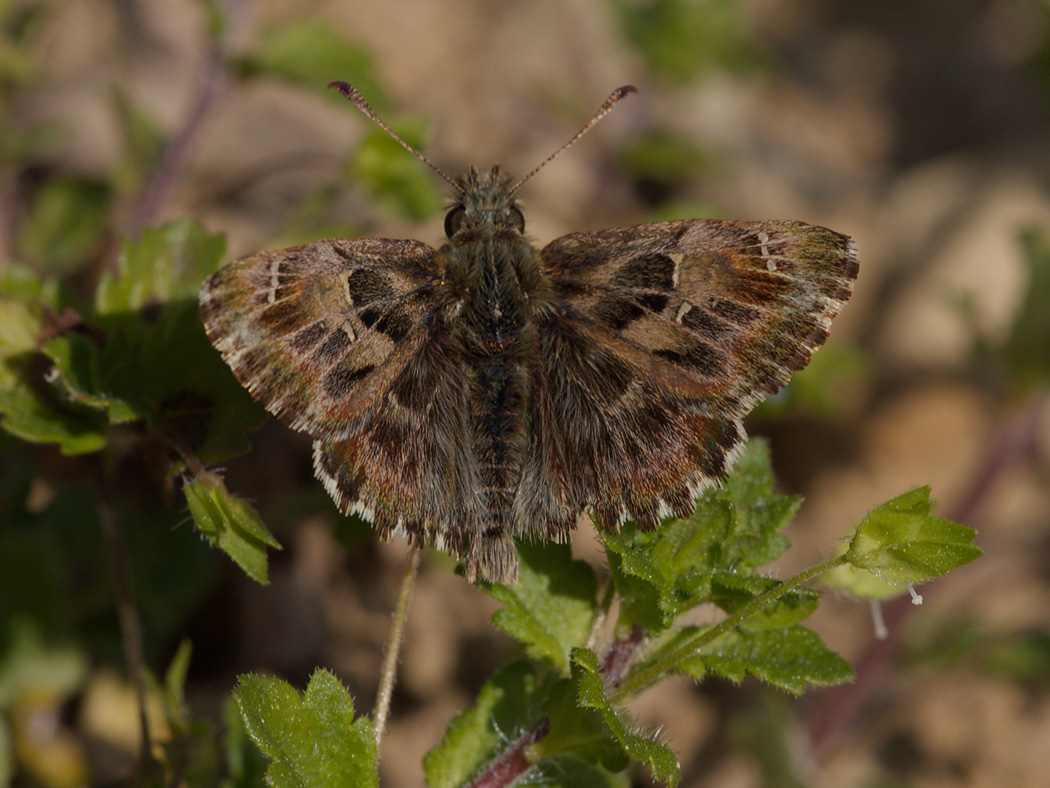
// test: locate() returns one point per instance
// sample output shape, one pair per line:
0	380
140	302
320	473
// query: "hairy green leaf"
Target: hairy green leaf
591	694
551	607
663	573
230	524
901	542
731	592
791	658
146	356
579	731
312	739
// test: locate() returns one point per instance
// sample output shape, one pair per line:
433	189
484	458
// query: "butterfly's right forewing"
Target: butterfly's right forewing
662	337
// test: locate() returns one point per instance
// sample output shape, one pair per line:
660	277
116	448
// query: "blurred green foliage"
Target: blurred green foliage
682	40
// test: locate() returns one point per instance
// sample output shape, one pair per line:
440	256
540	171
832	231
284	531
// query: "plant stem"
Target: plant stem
513	762
637	680
127	615
601	613
388	671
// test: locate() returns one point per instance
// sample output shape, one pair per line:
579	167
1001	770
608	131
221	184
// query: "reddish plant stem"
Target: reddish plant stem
618	658
840	707
513	762
211	87
510	764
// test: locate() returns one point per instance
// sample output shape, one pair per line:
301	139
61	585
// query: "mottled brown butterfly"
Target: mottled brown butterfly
486	390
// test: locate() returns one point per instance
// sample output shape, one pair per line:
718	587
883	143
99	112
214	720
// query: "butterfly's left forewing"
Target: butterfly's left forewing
318	332
662	337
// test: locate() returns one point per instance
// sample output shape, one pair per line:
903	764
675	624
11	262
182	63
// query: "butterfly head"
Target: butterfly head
484	202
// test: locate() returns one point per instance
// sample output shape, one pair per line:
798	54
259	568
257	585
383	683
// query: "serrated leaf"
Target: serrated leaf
759	512
790	658
511	697
77	361
659	575
731	592
166	263
25	410
590	688
551	607
146	356
901	542
312	739
312	54
230	524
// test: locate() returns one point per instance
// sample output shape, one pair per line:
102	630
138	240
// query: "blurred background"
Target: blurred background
920	128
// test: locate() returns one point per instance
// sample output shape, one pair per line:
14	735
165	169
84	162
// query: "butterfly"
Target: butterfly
487	390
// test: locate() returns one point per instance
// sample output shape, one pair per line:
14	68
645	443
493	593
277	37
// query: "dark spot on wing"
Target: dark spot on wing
618	313
704	323
368	316
654	302
415	387
648	272
367	286
347	482
282	317
395	323
332	348
389	434
715	443
309	336
341	380
700	357
741	314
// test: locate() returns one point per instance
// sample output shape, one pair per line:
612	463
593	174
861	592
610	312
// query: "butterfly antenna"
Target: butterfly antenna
603	110
355	96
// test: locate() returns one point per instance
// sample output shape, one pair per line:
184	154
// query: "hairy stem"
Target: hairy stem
388	671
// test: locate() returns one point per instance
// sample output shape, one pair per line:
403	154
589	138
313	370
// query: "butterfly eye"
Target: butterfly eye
454	220
517	220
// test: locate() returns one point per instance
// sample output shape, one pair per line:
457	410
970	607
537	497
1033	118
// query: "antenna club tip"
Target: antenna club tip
345	88
620	92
